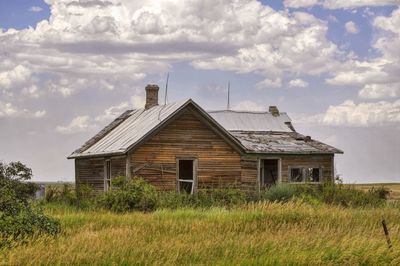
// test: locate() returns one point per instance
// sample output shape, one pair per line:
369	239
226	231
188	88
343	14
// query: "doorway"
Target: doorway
186	176
269	172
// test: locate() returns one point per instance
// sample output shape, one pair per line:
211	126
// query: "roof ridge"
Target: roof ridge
241	111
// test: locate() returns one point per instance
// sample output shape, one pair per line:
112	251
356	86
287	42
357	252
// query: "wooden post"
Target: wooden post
386	231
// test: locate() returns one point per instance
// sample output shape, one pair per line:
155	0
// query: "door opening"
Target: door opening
186	176
269	172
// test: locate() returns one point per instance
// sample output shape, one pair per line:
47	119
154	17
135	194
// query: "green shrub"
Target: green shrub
280	193
349	196
81	196
17	218
128	195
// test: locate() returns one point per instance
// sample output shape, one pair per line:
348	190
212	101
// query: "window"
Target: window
186	176
107	181
304	174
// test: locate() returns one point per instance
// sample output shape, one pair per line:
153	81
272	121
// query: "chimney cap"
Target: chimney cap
152	87
273	110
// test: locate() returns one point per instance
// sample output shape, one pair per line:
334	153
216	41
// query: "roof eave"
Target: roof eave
96	155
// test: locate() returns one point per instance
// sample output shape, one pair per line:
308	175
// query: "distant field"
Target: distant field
394	188
255	234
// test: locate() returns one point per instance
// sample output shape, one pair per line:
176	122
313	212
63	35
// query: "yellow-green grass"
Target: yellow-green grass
393	187
257	234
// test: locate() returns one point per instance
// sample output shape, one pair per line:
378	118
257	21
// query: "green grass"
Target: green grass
263	233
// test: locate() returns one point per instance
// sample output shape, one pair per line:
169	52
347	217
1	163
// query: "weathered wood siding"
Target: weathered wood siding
323	161
218	164
91	171
249	172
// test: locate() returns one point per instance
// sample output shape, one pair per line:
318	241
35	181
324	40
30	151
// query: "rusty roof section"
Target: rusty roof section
104	131
282	143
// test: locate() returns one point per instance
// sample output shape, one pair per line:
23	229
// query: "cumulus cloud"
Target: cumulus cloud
339	4
350	114
85	123
378	77
35	9
7	109
77	125
351	27
268	83
379	91
14	77
298	83
364	114
112	112
300	3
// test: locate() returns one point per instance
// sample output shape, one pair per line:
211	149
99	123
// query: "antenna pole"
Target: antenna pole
166	90
228	107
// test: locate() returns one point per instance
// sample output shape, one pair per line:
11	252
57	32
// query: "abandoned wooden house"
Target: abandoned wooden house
179	146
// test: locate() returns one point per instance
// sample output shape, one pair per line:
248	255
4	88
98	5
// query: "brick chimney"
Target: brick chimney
151	96
274	110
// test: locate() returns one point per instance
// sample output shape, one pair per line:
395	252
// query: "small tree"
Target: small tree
14	177
17	218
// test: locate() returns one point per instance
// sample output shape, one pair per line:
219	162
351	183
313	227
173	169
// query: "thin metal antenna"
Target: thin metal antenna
166	90
228	106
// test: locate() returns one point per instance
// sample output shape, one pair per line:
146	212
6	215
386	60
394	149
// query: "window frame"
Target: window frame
303	174
107	175
193	181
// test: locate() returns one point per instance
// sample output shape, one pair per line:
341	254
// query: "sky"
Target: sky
68	67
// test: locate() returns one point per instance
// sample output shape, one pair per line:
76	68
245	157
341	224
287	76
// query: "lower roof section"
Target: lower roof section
269	142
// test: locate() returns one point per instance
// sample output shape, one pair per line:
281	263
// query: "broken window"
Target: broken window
186	176
296	175
304	174
107	181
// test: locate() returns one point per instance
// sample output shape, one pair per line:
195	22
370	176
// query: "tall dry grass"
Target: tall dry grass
262	233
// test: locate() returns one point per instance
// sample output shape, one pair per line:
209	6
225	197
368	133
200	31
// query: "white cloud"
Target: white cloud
375	75
268	83
15	76
349	4
351	27
300	3
138	102
77	125
298	83
248	105
112	112
339	4
35	9
7	109
380	91
363	114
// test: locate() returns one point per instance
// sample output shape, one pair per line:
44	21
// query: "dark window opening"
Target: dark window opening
186	176
296	175
268	172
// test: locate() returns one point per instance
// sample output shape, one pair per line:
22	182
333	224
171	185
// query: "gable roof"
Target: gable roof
250	132
252	121
134	126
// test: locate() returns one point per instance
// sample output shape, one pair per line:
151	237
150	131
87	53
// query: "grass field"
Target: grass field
394	188
262	233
